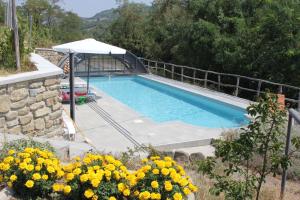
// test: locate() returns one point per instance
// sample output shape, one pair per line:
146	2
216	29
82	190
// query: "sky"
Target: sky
88	8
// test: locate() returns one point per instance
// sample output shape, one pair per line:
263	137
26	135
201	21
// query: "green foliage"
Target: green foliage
7	59
2	11
21	144
257	38
260	143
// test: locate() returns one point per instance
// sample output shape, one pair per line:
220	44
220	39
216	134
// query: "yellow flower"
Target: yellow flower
9	184
187	191
168	186
84	178
88	193
10	152
37	168
77	171
8	159
112	198
155	195
50	169
29	183
141	175
57	187
193	188
95	197
145	160
177	196
155	171
70	176
165	171
60	173
126	192
110	167
154	184
67	189
45	177
95	182
144	195
36	176
29	168
13	178
121	187
136	193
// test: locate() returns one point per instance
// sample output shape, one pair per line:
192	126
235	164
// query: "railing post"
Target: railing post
286	153
258	88
299	101
280	89
172	72
164	70
194	76
236	93
156	68
205	79
182	70
219	82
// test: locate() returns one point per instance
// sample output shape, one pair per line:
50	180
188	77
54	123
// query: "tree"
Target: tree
2	12
262	143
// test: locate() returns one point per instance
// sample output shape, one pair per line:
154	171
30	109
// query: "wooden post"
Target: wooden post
164	70
205	79
219	82
182	71
236	93
16	34
172	72
156	68
258	88
194	76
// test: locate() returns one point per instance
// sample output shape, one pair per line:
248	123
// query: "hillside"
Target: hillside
103	19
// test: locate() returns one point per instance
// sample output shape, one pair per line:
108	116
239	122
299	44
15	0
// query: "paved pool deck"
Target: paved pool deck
165	136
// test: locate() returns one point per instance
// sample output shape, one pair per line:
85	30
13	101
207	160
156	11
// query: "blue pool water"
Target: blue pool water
163	103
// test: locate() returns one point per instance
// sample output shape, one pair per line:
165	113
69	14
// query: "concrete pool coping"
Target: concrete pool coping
165	136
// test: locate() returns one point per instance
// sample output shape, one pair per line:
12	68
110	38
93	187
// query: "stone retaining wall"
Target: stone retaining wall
52	56
32	107
30	102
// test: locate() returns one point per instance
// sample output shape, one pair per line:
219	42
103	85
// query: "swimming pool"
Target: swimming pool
164	103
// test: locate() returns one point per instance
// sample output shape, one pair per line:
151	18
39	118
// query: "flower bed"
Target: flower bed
33	173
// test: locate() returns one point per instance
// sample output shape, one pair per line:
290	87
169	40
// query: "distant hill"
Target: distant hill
103	18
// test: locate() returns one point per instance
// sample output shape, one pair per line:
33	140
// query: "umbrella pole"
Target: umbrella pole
71	85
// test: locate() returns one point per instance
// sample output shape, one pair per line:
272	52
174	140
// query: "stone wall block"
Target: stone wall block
12	123
49	82
31	100
19	94
38	105
36	91
11	115
56	114
49	94
39	124
14	130
57	106
2	122
51	101
39	97
23	111
19	105
54	87
4	104
25	119
2	91
42	112
28	127
35	85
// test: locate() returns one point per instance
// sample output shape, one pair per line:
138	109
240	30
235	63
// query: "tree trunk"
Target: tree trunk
16	34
